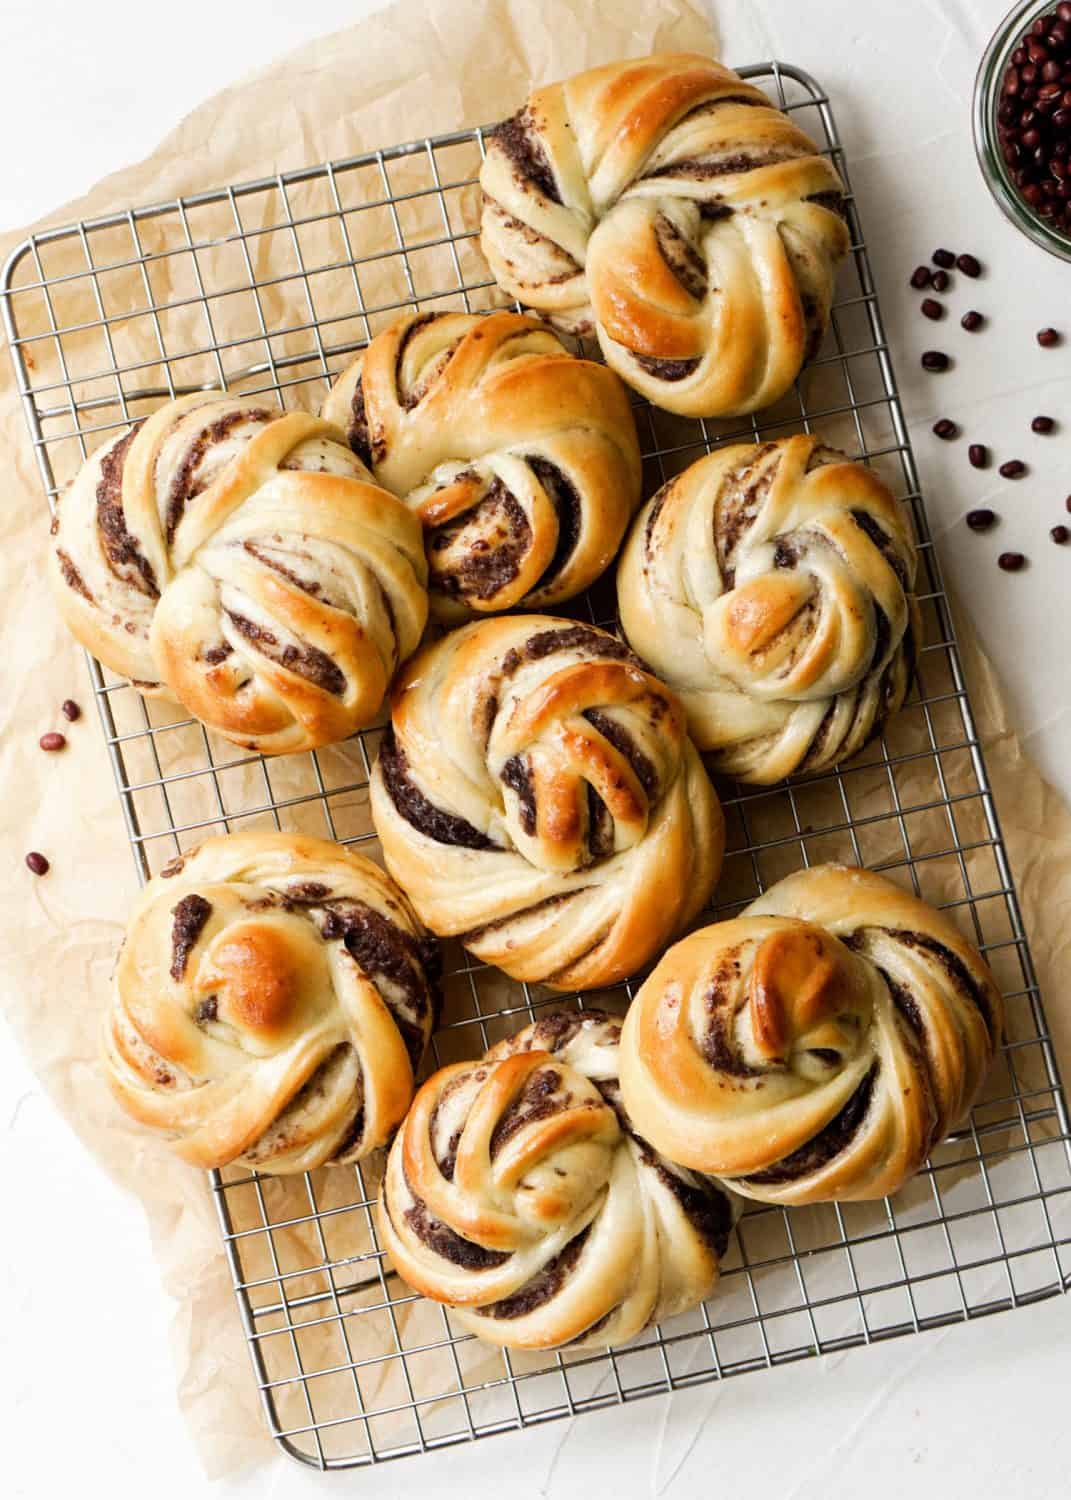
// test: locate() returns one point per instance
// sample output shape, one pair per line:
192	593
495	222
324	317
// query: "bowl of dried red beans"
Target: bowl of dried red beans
1022	121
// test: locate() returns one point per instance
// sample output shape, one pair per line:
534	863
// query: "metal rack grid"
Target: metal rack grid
269	286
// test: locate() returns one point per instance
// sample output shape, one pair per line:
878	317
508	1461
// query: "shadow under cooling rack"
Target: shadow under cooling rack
270	286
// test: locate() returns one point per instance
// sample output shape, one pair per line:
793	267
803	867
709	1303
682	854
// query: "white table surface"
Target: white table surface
86	1383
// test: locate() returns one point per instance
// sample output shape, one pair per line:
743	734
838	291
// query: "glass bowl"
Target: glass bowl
990	158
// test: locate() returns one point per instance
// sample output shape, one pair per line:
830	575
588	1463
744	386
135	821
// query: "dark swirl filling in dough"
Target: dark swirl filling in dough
830	1141
414	807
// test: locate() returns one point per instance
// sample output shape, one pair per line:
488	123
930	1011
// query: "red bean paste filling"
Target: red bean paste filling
625	745
414	396
517	775
182	489
955	968
716	1044
543	1286
190	916
71	576
706	1207
600	826
702	169
682	258
306	585
282	1135
665	369
521	144
444	1241
738	502
414	807
385	952
566	501
306	661
207	1010
475	933
831	199
568	638
485	570
120	548
533	1103
357	432
830	1141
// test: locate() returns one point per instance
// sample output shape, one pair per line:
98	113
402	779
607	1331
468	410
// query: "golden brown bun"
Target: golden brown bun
540	799
818	1046
517	1192
272	1000
770	585
520	460
243	562
668	205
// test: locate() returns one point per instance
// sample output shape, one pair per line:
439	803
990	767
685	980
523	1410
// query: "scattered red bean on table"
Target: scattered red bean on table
971	321
946	429
981	519
978	454
1013	469
1011	562
52	741
70	710
37	863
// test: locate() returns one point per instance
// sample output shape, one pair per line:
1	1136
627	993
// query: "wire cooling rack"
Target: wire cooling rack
270	286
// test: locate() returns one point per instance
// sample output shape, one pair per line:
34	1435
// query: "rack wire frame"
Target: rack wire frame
987	1224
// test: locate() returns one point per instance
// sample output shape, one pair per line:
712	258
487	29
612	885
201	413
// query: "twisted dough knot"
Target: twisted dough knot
518	1193
537	787
520	460
770	585
816	1047
242	561
670	206
272	1001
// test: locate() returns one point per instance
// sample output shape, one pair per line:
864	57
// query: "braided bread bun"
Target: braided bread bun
817	1047
273	997
668	205
520	460
770	585
242	561
518	1193
538	798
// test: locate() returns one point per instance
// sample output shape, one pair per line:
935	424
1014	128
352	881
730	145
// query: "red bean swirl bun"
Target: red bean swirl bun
518	1193
538	797
815	1048
271	1004
520	460
242	561
770	585
668	205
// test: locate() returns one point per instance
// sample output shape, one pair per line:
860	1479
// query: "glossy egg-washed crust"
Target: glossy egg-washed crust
518	1193
770	585
817	1047
243	562
271	1004
538	797
666	204
520	460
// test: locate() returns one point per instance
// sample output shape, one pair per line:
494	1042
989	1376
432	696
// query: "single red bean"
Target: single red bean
1042	424
70	710
52	741
943	258
1013	469
978	454
934	361
981	520
971	321
946	429
1011	562
1048	338
1060	534
37	862
931	308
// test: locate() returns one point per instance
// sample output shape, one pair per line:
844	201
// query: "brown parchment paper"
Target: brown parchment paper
422	67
